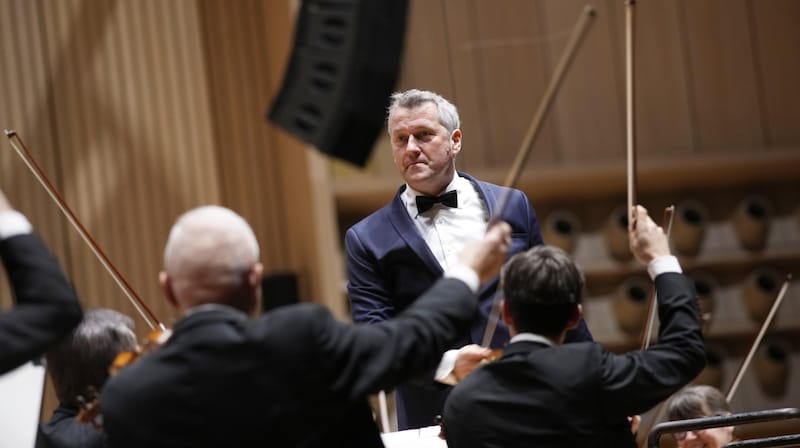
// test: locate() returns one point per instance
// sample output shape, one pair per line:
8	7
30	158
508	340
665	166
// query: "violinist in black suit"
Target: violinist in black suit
46	307
544	393
294	377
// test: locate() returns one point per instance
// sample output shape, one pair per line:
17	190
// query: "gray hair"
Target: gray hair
448	114
211	244
82	359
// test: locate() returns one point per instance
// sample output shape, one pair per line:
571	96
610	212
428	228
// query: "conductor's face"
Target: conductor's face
424	151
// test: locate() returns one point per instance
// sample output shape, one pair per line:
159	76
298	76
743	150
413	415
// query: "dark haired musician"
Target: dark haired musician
547	394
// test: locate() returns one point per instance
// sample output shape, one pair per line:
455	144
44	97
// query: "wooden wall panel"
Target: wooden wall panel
662	102
589	107
118	98
239	93
143	110
464	58
426	50
277	182
24	84
777	44
724	83
513	67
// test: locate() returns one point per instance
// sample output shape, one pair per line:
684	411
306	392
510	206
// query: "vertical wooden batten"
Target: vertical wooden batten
278	183
116	96
776	39
723	87
26	109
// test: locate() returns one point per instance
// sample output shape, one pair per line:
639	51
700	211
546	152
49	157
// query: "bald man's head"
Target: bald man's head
211	256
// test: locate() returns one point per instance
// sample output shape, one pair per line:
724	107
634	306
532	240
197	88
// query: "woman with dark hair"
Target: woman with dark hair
697	402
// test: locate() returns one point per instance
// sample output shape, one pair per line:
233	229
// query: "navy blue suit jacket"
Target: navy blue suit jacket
389	265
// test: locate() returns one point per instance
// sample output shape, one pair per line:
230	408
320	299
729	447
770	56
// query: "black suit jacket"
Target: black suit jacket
389	265
577	395
46	307
63	431
295	377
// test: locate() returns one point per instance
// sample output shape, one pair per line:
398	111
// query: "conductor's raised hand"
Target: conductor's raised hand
487	255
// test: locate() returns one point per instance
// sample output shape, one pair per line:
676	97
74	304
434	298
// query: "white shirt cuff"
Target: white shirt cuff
661	265
444	373
466	275
13	223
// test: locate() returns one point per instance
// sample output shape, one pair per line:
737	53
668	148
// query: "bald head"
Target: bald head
211	256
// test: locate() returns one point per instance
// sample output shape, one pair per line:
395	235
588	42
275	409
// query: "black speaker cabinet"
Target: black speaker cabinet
279	289
343	67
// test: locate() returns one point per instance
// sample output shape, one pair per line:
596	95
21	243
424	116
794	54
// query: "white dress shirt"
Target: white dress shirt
13	223
446	229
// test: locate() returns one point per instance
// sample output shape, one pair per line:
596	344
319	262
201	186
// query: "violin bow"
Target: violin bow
735	384
575	39
19	147
630	106
630	130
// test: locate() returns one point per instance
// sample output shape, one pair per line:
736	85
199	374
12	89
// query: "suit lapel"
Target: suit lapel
405	227
487	196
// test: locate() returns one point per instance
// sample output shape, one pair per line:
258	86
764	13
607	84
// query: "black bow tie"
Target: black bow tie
449	199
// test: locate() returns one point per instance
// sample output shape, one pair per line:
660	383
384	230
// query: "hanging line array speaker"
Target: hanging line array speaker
343	68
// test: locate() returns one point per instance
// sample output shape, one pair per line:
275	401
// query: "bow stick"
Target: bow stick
19	146
630	104
575	38
759	337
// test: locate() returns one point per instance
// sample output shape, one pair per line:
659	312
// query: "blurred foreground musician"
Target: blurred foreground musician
294	377
46	307
77	363
545	394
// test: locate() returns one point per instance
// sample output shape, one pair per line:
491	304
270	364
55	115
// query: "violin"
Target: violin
89	404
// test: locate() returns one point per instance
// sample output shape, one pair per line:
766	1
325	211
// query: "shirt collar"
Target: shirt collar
211	307
532	337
